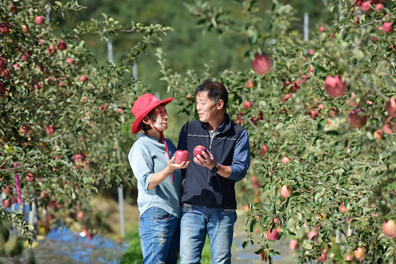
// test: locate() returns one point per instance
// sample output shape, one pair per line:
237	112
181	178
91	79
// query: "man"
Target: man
208	199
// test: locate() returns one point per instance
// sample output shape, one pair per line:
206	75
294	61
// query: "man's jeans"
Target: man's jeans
159	234
193	230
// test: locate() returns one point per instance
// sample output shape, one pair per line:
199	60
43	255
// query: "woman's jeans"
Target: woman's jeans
159	234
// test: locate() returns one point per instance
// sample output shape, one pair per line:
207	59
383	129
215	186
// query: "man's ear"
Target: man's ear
220	104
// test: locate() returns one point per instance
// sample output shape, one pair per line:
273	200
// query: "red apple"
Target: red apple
51	217
51	50
181	155
322	257
247	105
313	234
379	7
3	63
303	78
286	83
12	9
322	29
198	151
30	176
285	160
296	86
314	114
39	20
80	215
6	203
356	120
342	208
119	110
366	7
62	45
50	130
103	108
16	67
311	52
26	56
389	228
378	134
357	2
391	107
2	88
84	78
25	29
293	244
272	236
44	195
5	28
250	84
264	150
360	253
387	27
286	191
335	87
70	61
389	126
51	204
262	64
25	130
79	158
356	19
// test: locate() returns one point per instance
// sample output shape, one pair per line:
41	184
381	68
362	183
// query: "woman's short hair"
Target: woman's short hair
152	117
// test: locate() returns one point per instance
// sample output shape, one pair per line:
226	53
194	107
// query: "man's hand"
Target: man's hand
206	160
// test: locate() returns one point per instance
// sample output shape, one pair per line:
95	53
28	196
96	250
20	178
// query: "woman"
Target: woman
159	181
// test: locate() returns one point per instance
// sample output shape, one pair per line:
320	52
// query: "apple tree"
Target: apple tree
321	117
62	118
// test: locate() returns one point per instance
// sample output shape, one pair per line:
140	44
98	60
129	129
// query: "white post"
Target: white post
135	75
120	189
306	26
32	213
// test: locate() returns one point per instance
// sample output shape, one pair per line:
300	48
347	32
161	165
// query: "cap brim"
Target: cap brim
135	126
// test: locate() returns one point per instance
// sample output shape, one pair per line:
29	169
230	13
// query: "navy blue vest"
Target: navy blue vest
201	186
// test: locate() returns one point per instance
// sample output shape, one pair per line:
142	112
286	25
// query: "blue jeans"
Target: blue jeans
193	229
159	234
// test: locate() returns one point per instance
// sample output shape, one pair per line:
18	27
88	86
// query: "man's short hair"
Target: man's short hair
215	90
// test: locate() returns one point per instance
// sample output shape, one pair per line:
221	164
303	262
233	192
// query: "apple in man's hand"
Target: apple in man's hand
198	151
181	155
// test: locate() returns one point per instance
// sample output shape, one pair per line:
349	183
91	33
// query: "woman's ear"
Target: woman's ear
146	121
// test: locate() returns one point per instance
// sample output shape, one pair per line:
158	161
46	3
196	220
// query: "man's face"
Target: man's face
161	123
206	108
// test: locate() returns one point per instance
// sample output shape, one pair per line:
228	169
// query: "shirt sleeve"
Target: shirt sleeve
142	164
241	159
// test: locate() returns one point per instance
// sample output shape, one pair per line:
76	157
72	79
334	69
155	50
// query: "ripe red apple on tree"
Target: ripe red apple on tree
311	52
25	130
239	120
378	134
80	215
62	45
2	88
357	2
293	244
3	63
6	203
12	9
378	7
286	83
342	208
296	86
356	120
198	151
39	20
313	234
264	150
322	29
25	29
286	191
50	130
389	126
247	105
334	86
274	235
5	28
70	61
366	6
79	158
389	228
250	84
84	78
303	78
285	160
390	107
26	56
322	258
30	176
181	155
5	73
387	27
262	64
51	50
360	253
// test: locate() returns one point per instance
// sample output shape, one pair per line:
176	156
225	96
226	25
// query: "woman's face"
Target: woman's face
161	123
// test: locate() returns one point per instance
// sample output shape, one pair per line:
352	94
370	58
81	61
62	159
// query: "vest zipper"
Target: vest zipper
210	148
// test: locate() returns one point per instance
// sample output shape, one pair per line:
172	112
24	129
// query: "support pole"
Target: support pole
306	26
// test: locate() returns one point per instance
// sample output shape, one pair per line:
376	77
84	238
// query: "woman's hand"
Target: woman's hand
172	166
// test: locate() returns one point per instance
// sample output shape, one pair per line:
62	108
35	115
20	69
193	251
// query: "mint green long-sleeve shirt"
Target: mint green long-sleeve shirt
148	157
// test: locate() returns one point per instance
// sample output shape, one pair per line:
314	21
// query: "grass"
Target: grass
133	255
